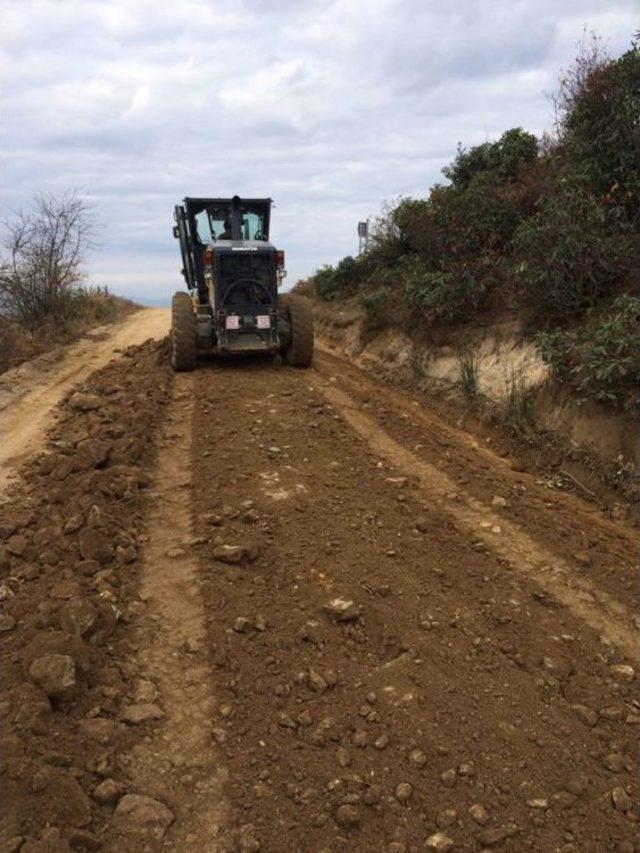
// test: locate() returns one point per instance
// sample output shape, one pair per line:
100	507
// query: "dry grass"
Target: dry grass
85	309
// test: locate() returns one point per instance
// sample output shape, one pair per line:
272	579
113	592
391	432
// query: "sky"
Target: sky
330	107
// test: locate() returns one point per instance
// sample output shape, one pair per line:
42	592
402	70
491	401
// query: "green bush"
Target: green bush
333	282
443	295
599	104
601	363
568	255
505	158
375	305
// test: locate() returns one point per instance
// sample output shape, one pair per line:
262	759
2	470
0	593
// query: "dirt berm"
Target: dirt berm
260	609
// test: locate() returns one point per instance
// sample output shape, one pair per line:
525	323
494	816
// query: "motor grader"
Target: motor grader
233	273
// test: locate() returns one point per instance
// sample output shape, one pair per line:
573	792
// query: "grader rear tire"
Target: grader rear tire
183	333
299	352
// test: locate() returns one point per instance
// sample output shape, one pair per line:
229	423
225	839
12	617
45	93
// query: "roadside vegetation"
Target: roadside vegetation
43	300
547	228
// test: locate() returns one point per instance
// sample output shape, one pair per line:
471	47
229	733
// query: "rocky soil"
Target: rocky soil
259	609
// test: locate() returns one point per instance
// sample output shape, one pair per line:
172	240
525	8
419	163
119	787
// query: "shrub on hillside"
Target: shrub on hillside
569	256
504	158
449	295
601	363
334	282
599	125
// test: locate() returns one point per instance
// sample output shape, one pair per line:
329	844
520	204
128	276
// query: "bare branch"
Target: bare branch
43	257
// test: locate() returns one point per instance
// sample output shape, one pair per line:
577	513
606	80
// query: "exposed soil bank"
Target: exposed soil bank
595	444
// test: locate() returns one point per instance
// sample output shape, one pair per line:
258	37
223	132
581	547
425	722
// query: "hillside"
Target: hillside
519	278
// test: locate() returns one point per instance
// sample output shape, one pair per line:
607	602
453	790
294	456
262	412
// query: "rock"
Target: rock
142	815
146	691
141	713
85	402
342	609
499	502
247	840
7	622
6	592
78	616
496	835
439	841
342	757
348	816
174	553
403	792
5	559
446	818
316	682
539	803
623	673
417	757
234	554
478	813
622	802
242	625
73	524
95	545
108	791
381	742
449	778
100	729
372	795
586	715
614	762
17	545
54	673
59	799
81	839
400	482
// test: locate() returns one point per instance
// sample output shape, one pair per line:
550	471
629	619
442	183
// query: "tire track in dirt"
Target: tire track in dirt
599	610
177	763
592	544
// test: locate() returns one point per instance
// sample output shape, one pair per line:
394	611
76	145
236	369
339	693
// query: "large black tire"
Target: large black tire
299	352
183	333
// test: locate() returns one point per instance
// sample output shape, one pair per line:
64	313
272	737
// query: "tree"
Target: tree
43	256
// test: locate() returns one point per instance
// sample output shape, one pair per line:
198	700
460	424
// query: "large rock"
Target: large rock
140	815
236	553
54	673
17	545
78	616
85	402
59	799
94	544
141	712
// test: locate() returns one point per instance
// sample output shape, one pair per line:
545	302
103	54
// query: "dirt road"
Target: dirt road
346	626
30	392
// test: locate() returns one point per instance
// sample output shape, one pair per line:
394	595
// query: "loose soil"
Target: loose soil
30	391
320	619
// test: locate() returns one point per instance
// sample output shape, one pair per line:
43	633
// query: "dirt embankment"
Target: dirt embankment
71	532
256	608
582	445
29	392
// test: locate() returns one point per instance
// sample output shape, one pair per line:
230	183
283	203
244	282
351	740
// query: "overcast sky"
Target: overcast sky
328	107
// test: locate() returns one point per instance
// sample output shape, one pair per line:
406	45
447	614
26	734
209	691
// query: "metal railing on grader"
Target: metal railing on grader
232	273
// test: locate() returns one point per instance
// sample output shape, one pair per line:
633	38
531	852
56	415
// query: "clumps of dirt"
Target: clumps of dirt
71	529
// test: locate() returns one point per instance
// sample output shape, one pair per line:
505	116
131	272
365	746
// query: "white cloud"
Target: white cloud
329	107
